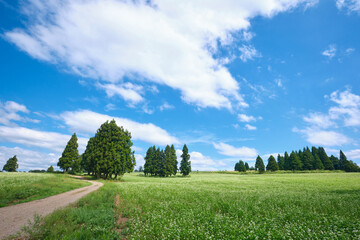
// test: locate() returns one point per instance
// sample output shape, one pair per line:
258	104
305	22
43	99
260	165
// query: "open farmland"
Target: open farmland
216	206
24	187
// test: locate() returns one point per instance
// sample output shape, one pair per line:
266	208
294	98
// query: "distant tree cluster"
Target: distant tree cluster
108	154
306	159
163	163
241	166
11	165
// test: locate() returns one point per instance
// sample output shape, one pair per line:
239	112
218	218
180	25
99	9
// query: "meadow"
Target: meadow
214	206
17	187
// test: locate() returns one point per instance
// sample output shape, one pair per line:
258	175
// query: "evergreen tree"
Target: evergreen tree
317	163
169	164
307	160
295	161
272	164
259	164
281	162
247	166
328	165
287	162
237	168
343	160
70	154
242	167
335	161
87	158
185	165
174	160
11	165
50	169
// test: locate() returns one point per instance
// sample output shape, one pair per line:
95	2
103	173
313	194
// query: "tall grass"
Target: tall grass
218	206
23	187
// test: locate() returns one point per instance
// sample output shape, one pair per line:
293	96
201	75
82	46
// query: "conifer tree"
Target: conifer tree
328	165
242	167
185	165
236	168
287	162
281	162
11	165
317	163
70	155
307	160
295	161
343	160
259	164
272	164
174	160
335	161
247	166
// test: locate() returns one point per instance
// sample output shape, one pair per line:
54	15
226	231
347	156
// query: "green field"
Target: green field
24	187
216	206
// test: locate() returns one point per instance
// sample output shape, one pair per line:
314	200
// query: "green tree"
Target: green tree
236	168
70	155
247	166
295	161
343	160
272	164
335	161
174	160
11	165
259	165
185	165
287	162
328	165
281	162
317	163
307	160
242	167
50	169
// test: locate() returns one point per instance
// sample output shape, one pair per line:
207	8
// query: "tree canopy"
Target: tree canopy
185	164
70	156
11	165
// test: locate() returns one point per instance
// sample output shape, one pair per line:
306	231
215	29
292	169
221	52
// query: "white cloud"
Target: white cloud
109	40
85	121
278	82
247	36
323	138
9	112
330	52
128	91
29	137
250	127
166	106
348	109
200	162
28	159
248	52
140	161
349	51
345	99
244	153
350	5
247	118
319	120
353	154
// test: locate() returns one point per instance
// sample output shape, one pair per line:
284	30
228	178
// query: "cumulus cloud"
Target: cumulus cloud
128	91
166	106
244	153
165	42
353	154
246	118
319	120
330	52
10	112
35	138
85	121
29	159
323	138
348	108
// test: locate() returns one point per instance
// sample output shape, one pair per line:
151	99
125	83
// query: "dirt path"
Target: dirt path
13	218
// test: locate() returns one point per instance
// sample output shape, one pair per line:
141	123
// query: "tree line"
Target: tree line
163	163
305	159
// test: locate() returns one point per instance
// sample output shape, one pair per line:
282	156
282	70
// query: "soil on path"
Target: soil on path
13	218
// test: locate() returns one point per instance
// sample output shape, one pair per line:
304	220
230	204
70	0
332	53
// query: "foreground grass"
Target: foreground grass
24	187
217	206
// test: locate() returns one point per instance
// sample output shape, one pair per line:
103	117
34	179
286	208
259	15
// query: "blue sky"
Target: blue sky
231	79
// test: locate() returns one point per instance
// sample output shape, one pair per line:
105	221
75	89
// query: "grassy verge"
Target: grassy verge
217	206
24	187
